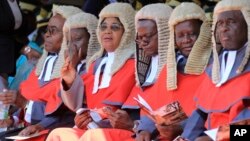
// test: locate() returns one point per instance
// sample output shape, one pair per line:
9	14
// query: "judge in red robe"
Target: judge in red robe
188	53
110	72
223	96
152	39
42	87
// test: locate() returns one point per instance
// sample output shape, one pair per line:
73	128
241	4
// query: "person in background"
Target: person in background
24	65
38	91
15	123
105	83
11	20
187	57
223	96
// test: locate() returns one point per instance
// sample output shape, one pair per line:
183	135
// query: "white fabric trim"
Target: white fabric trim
106	77
107	71
97	75
226	68
153	69
179	57
28	112
80	65
16	120
48	70
16	13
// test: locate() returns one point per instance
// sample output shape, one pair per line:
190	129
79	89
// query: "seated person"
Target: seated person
37	91
152	39
104	83
187	57
223	96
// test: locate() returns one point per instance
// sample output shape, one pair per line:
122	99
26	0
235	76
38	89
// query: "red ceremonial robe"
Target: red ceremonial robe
224	103
157	96
49	93
120	87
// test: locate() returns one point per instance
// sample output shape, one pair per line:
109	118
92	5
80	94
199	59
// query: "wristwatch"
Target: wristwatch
27	49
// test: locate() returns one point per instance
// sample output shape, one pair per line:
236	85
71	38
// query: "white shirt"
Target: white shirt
106	77
153	69
47	69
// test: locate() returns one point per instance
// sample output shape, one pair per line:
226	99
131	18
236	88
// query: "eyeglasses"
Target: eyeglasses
52	30
114	27
145	39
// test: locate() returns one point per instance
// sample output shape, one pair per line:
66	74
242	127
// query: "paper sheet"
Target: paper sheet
212	133
143	102
27	137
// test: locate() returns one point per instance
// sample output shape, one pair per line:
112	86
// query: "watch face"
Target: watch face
27	49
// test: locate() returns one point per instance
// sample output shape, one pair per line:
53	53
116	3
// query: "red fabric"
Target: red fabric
225	102
121	84
106	135
48	93
65	134
130	102
120	87
158	95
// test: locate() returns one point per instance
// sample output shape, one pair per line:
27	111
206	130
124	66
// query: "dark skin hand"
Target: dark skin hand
8	97
31	130
6	123
11	97
120	119
68	71
143	136
203	138
169	132
82	120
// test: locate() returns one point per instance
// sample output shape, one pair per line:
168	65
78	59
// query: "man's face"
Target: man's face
53	36
147	37
79	38
186	34
232	29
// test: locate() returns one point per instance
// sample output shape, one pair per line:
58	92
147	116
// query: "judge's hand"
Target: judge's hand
206	138
6	122
31	130
120	119
68	71
169	132
83	119
143	136
74	55
223	133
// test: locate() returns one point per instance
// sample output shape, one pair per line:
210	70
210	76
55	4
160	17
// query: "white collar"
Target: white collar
47	70
106	77
226	66
153	69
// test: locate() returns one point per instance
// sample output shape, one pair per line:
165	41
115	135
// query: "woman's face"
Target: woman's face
186	34
53	36
111	31
79	38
